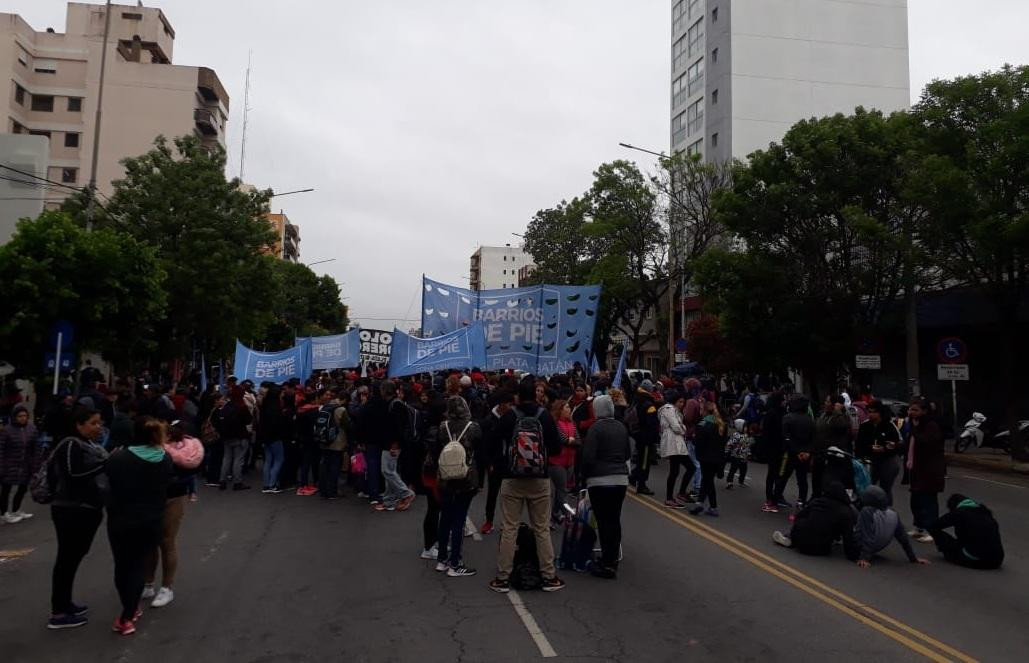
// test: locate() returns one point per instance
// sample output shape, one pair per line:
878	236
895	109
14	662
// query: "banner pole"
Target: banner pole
539	328
421	315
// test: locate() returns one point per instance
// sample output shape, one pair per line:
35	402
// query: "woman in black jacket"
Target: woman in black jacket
605	468
139	477
76	467
772	448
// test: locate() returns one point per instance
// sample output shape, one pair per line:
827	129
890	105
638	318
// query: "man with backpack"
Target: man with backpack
334	439
530	436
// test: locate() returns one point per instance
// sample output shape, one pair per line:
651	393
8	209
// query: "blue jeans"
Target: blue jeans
396	489
373	458
453	512
272	463
696	466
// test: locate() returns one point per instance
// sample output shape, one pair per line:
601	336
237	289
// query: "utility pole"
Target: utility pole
911	318
96	129
246	112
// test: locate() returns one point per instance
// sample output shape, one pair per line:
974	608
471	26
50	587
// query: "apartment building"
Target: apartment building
287	237
497	267
745	71
53	81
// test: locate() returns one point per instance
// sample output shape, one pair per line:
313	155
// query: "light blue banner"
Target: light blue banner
325	353
540	329
277	367
464	348
617	382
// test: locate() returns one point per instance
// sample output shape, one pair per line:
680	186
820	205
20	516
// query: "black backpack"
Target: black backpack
412	428
525	572
326	430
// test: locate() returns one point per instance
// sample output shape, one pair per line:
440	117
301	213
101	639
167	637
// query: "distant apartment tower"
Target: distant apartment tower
745	71
287	237
496	267
53	79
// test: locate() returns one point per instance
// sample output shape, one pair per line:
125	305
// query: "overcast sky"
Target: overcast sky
430	127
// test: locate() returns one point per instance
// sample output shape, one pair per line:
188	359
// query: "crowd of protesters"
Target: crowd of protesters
140	449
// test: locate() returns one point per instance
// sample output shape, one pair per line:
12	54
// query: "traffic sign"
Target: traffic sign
67	332
951	350
680	345
868	362
952	372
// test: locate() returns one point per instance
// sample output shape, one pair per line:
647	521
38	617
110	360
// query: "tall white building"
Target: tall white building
745	71
496	267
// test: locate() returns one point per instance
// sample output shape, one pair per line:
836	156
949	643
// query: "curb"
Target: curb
995	463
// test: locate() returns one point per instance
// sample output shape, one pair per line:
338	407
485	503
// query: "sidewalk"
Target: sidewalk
985	459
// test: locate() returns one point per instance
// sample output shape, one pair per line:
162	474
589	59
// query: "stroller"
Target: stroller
579	545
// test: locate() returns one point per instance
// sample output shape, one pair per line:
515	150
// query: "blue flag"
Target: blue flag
276	367
463	348
329	352
594	365
617	382
203	374
541	329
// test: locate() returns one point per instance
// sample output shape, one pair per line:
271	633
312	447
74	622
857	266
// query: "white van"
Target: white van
638	375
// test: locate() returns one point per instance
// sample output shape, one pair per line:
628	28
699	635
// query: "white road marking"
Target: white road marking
546	651
999	483
214	547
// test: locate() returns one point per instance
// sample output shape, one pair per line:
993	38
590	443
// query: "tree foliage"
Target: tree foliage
109	285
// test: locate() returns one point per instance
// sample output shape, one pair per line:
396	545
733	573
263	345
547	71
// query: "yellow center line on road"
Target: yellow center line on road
929	647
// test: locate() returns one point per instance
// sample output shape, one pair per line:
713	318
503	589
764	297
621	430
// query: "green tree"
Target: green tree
208	233
107	284
975	185
556	239
831	207
304	304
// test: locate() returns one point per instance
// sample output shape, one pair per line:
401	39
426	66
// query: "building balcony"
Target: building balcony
292	232
210	87
206	121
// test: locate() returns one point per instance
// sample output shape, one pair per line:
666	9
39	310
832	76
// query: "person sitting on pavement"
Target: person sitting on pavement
976	542
822	521
877	525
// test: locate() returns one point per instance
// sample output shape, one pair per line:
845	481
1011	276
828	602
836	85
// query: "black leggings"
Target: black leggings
430	526
130	547
674	463
75	527
607	506
787	464
707	483
5	493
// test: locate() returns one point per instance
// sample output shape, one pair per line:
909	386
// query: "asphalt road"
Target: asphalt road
284	578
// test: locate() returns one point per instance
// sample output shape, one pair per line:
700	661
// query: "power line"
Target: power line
42	179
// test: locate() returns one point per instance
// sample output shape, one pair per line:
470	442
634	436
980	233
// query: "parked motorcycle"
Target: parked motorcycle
979	434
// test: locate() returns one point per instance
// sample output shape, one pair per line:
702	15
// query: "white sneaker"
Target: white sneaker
430	553
24	516
915	531
442	566
10	518
164	596
148	592
782	539
924	537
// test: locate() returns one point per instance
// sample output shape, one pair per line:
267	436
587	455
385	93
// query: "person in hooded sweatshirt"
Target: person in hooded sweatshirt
877	525
455	495
798	432
20	458
976	542
822	521
605	455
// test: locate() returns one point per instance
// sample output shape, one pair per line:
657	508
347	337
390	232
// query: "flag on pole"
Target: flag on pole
203	375
617	382
594	365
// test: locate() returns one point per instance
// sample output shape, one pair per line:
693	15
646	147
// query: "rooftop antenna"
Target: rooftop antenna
246	112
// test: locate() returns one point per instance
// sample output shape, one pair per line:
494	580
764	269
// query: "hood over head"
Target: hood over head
799	404
874	496
457	409
835	491
603	407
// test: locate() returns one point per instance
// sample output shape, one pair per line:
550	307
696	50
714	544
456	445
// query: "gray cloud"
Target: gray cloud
430	127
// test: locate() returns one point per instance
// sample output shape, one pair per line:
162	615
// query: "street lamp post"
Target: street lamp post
289	193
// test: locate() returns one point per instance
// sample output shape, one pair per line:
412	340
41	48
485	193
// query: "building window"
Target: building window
680	15
69	175
696	77
45	67
505	258
714	97
43	102
714	15
694	7
679	91
695	117
714	55
71	139
74	104
679	54
695	148
132	16
678	128
695	37
714	139
19	94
